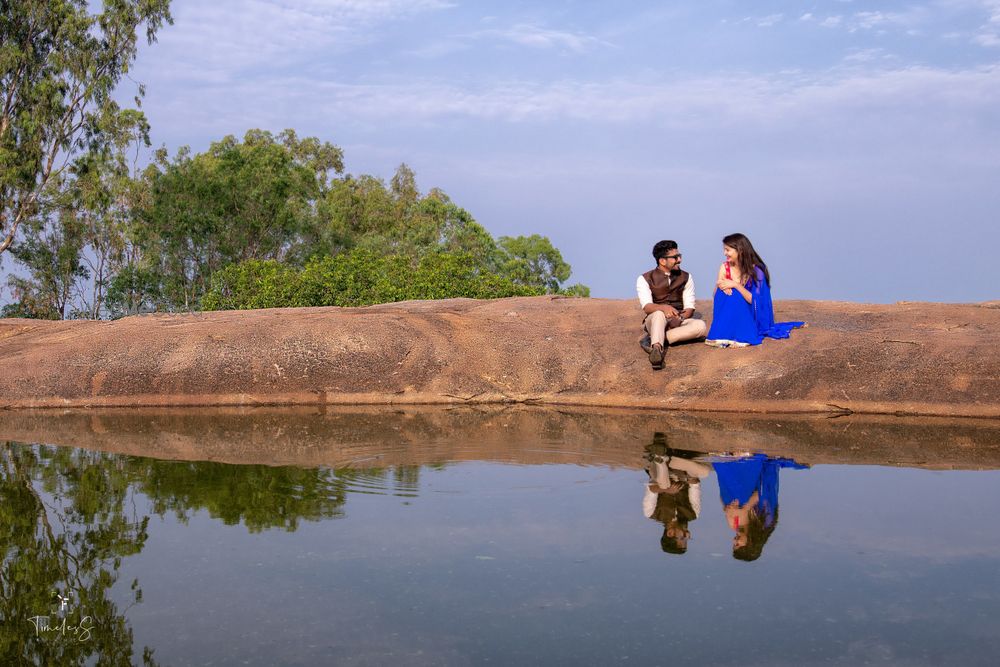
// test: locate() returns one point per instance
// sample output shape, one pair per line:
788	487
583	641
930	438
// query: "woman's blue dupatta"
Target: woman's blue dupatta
763	310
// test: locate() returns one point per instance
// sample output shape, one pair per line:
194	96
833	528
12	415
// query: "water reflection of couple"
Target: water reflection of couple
748	489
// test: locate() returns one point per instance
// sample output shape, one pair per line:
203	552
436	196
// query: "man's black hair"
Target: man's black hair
672	545
662	248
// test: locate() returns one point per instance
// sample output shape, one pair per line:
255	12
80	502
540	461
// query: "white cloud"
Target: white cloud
211	41
364	11
988	34
806	17
866	56
993	7
523	34
768	21
734	100
441	48
536	36
869	20
879	21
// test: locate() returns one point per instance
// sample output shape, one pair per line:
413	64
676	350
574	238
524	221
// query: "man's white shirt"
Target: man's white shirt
646	295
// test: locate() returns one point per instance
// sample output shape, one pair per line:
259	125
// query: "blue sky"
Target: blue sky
856	143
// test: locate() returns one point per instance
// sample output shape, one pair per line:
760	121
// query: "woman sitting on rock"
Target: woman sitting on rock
742	313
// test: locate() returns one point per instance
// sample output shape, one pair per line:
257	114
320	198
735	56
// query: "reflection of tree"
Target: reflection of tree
65	526
407	479
260	497
68	517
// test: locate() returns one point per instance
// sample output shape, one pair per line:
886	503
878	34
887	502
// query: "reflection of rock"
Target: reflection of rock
864	358
372	437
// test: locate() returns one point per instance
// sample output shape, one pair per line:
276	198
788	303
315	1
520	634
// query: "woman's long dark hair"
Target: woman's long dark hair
758	530
747	259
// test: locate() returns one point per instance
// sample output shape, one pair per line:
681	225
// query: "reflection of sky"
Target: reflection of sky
557	564
825	131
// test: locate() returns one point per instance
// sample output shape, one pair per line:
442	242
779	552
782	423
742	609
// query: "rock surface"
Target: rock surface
907	358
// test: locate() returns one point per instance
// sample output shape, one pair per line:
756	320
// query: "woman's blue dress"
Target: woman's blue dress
733	319
740	478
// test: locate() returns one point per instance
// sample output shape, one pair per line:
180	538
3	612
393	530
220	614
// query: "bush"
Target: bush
253	284
360	277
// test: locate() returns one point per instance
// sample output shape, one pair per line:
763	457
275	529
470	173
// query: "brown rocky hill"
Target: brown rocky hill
907	358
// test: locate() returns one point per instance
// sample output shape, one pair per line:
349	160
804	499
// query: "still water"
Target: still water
564	548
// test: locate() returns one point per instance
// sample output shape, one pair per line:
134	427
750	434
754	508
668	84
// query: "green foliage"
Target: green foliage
533	260
51	252
357	278
363	212
360	277
134	289
67	519
576	289
60	67
259	497
105	199
255	223
238	201
253	284
443	275
27	308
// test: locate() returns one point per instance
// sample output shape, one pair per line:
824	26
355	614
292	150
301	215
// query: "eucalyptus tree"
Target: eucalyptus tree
105	198
60	66
51	251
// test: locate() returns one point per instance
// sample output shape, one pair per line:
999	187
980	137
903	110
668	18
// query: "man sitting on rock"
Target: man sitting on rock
666	295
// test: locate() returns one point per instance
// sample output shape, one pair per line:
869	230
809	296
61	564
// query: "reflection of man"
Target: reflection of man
673	493
666	296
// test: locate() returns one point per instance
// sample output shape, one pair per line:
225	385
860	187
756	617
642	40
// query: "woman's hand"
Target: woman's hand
727	285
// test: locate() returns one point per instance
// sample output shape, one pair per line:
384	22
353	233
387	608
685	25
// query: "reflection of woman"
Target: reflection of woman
748	488
673	494
742	310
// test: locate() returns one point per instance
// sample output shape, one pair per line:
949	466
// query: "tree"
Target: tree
59	68
533	260
106	195
353	211
238	201
82	236
51	252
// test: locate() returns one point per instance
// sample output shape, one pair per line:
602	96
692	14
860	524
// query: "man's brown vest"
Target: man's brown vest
666	291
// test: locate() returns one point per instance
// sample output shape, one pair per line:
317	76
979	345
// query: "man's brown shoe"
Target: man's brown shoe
656	354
